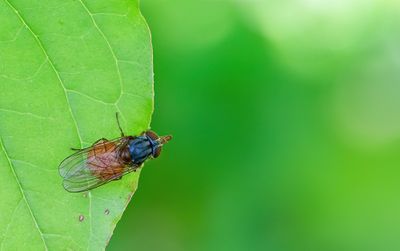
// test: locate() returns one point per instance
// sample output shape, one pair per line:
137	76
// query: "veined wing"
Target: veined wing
94	166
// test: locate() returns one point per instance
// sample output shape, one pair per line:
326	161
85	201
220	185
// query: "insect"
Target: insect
108	160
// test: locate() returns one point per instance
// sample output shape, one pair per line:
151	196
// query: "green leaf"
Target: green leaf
66	67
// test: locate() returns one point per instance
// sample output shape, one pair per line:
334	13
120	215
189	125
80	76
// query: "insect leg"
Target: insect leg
102	140
75	149
119	125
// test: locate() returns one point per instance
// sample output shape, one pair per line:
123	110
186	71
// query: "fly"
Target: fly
108	160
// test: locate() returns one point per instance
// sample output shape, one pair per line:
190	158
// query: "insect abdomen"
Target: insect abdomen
104	162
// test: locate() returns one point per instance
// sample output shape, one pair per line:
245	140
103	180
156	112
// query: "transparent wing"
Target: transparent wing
94	166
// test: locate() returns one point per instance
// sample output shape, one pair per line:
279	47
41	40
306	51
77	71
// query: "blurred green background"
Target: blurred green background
287	127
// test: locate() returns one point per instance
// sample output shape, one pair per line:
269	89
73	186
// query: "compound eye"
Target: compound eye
157	152
152	135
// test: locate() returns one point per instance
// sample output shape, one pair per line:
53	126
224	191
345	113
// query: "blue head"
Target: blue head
148	145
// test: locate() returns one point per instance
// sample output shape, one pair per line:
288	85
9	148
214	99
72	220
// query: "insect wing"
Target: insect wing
94	166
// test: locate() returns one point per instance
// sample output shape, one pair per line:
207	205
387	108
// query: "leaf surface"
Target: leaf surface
66	67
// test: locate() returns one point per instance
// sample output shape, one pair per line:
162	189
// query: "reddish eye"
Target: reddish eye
152	135
157	152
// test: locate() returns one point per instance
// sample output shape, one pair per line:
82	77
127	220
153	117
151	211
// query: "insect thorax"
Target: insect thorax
140	148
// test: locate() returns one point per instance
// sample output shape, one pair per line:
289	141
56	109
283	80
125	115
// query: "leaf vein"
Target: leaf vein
31	165
34	75
10	223
22	192
89	97
36	37
121	91
24	113
15	36
107	42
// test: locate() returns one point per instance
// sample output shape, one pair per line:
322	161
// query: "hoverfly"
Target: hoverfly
108	160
